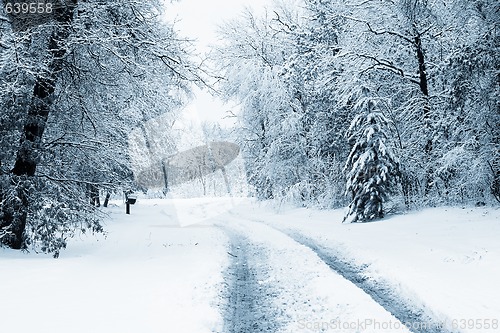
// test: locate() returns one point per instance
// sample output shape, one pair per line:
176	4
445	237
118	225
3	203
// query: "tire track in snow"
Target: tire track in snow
413	318
248	307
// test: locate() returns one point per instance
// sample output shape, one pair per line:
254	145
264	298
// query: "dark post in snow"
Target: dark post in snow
129	200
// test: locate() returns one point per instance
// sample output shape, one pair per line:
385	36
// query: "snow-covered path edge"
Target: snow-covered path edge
248	302
418	320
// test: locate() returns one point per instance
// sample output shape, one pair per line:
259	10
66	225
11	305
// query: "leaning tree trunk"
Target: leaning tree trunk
15	211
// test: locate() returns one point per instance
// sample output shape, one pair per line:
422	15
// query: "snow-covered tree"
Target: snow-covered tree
432	62
469	126
372	167
75	87
413	52
251	62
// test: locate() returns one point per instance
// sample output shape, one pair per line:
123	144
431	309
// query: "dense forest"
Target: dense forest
378	105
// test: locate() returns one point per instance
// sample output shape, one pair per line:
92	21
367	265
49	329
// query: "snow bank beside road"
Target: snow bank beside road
149	275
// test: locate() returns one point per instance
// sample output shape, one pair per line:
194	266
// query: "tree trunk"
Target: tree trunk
94	195
15	212
164	169
226	180
106	200
424	87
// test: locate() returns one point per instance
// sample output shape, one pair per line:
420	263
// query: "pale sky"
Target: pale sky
198	19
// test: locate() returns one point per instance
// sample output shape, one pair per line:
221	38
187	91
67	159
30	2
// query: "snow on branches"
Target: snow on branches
372	166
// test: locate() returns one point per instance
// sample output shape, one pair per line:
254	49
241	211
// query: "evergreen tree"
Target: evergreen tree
373	167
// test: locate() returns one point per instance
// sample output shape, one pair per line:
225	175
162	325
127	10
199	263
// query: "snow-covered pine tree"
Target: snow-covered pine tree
372	166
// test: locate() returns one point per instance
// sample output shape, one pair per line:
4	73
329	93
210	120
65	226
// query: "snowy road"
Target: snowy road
284	286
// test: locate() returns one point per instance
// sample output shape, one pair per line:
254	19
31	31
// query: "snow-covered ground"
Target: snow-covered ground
150	274
446	260
172	266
